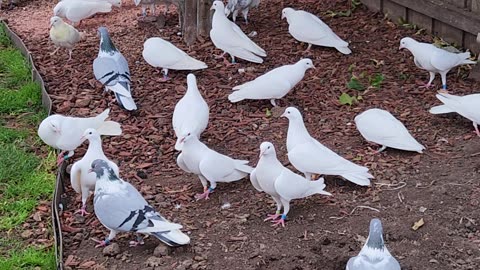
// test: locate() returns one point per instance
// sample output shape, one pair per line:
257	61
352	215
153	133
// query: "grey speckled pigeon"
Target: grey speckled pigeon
243	6
111	69
121	208
374	254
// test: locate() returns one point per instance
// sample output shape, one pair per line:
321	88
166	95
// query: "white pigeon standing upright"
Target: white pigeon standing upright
190	113
434	60
209	165
229	38
308	28
158	52
374	254
82	181
65	132
467	106
311	157
64	35
111	69
243	6
281	183
75	11
274	84
381	127
121	208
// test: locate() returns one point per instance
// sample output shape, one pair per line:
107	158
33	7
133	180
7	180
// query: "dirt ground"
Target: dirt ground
441	186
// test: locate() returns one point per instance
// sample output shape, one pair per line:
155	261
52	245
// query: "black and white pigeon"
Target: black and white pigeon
111	69
121	208
374	254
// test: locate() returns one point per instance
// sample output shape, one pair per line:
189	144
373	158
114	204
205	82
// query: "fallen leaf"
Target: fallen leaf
418	224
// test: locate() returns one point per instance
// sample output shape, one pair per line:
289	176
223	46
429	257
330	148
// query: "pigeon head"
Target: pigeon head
267	149
406	43
100	167
50	129
375	236
59	9
306	63
286	12
117	3
90	134
55	20
106	44
187	136
292	113
218	6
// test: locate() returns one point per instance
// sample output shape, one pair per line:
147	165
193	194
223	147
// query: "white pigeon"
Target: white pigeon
467	106
152	3
274	84
209	165
121	208
116	3
381	127
308	28
65	132
281	183
374	254
75	11
191	112
229	38
158	52
82	181
243	6
433	59
311	157
64	35
111	69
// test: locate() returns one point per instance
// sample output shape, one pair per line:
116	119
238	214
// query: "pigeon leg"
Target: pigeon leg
137	242
165	75
277	213
69	55
54	52
272	101
476	129
308	176
60	157
380	149
245	15
221	56
107	240
82	211
444	82
309	47
286	209
234	15
205	194
429	83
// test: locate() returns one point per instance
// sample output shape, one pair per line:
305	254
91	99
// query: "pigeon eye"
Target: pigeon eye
268	147
188	134
90	133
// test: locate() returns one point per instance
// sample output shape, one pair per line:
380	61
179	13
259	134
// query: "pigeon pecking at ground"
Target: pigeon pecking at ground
191	113
434	60
274	84
229	38
65	132
374	254
467	106
381	127
308	28
111	69
158	52
243	6
281	183
310	156
209	165
64	35
82	181
121	208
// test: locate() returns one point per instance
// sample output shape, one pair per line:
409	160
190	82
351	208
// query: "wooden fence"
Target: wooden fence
456	21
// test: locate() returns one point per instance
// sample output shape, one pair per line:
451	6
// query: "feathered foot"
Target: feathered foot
82	211
272	217
281	221
204	195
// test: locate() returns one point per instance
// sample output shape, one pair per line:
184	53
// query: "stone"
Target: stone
153	261
161	250
111	250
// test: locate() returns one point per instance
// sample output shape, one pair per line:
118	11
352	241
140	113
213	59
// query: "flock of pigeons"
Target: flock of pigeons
120	207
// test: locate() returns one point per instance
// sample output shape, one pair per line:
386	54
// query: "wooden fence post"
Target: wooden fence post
196	19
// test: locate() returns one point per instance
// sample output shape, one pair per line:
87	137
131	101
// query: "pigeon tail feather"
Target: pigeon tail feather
235	97
344	50
172	238
317	187
440	109
110	128
361	179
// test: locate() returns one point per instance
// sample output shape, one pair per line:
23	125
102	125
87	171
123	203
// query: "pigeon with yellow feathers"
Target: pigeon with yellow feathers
64	35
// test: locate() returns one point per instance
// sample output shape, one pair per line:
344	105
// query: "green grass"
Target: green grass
26	167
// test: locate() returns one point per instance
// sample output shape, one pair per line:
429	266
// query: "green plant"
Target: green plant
355	83
347	13
346	99
376	80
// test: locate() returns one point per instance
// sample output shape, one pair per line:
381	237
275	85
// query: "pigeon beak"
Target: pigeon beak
90	170
212	7
401	47
261	153
182	140
283	16
314	67
283	115
82	138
